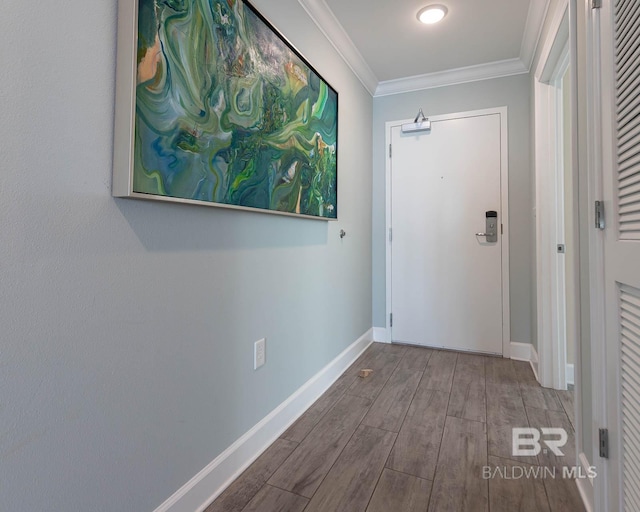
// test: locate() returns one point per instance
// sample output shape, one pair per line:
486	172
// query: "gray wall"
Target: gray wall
127	327
514	92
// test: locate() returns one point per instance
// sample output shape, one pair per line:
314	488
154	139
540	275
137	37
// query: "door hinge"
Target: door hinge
600	215
389	150
390	235
390	319
603	437
596	4
502	229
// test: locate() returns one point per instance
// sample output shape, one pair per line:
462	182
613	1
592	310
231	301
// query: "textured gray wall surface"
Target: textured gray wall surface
127	327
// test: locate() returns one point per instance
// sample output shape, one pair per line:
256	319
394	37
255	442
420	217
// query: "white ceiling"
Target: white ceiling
391	51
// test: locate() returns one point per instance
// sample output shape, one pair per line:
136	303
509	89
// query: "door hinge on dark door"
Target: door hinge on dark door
603	437
390	319
596	4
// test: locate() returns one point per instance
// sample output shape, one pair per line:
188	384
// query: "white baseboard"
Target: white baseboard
521	351
207	485
585	485
534	362
525	352
570	374
380	335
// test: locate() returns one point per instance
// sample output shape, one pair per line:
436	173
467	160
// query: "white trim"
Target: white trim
585	485
521	351
560	263
535	364
475	73
533	30
387	227
504	200
570	374
486	71
380	335
550	51
525	352
603	493
323	17
549	230
586	490
498	69
207	485
584	462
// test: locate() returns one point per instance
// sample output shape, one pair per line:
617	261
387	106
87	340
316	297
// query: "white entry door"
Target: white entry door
447	286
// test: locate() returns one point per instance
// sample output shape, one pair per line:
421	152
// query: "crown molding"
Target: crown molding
475	73
533	30
323	17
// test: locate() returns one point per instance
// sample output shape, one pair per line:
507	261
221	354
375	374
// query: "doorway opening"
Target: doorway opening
556	200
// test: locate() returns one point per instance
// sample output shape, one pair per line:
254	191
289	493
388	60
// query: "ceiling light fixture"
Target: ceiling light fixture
432	14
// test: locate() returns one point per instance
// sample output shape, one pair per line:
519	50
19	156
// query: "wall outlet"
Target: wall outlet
259	353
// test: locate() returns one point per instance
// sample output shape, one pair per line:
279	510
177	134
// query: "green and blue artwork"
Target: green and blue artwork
229	113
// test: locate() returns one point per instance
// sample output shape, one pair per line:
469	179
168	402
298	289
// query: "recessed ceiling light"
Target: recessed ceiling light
432	14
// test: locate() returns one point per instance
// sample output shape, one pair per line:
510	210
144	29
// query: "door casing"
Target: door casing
549	177
600	490
504	199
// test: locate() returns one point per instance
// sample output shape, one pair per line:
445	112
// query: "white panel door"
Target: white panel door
446	282
621	173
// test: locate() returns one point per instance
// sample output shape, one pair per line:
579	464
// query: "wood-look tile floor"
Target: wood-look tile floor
421	434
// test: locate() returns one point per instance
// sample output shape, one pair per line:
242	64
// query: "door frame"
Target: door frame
551	290
601	493
549	203
587	188
504	200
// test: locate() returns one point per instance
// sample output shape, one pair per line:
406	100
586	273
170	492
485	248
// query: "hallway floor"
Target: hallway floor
428	430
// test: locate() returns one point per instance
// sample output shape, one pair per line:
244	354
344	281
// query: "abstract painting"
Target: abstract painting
228	113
